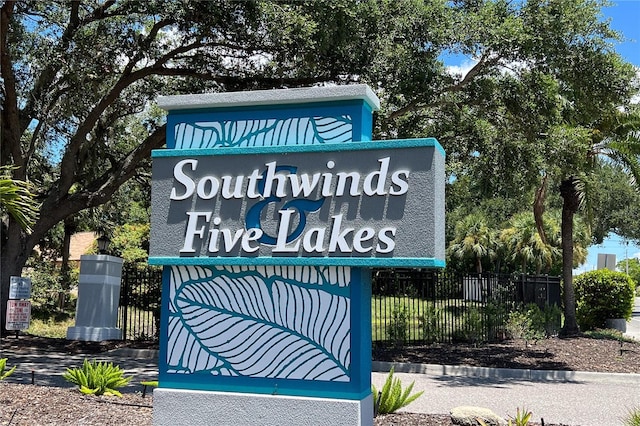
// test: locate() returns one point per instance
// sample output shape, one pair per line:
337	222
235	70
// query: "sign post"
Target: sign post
268	210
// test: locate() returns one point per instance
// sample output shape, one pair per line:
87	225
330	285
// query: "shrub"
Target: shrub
97	378
519	326
429	323
398	327
601	295
474	325
392	397
552	319
495	315
532	323
3	365
522	418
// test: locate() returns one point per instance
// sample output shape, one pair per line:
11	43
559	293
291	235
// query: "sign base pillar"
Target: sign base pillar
191	407
94	334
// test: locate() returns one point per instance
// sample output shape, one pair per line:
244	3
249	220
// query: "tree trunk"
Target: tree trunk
571	202
12	260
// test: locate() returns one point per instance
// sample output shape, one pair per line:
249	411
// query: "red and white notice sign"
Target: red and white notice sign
18	314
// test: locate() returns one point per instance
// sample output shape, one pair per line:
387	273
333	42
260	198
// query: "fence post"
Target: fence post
124	299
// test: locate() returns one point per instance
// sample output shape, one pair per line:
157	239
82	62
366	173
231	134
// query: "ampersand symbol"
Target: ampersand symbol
302	206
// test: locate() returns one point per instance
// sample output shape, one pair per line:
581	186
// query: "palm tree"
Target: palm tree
473	239
525	244
616	139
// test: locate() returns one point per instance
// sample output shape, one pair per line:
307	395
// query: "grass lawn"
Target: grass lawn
50	327
407	318
404	318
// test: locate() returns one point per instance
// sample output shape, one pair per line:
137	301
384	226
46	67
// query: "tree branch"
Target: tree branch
47	75
485	62
99	190
147	43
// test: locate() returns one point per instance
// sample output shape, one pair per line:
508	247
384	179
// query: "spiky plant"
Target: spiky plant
392	397
97	378
3	365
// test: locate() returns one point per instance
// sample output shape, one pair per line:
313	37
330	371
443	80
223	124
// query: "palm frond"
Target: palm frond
17	199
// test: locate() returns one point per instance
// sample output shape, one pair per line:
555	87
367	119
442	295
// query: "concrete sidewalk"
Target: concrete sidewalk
560	397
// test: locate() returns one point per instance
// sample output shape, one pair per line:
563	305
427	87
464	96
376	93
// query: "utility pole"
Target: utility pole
626	257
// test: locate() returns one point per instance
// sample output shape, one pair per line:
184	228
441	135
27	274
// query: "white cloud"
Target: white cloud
462	69
584	268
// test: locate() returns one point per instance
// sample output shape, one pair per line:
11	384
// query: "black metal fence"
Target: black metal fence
427	306
407	306
139	312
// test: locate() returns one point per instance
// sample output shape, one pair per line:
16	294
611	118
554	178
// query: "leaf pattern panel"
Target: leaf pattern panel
266	132
261	322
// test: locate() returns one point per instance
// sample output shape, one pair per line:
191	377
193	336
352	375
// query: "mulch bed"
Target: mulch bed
571	354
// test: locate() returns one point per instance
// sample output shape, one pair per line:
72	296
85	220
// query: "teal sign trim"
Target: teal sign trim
256	388
303	261
377	204
352	146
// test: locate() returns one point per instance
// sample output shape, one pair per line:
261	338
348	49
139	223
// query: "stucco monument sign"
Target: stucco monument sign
268	210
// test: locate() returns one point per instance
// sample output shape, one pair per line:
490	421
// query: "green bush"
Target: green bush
532	323
495	316
428	322
601	295
474	325
97	378
398	327
519	326
552	320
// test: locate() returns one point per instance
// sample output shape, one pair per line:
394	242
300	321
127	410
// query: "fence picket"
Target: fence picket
139	312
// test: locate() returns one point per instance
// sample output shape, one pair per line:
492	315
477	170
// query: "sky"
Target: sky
625	18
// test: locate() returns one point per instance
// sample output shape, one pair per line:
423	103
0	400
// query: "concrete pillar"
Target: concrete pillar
98	299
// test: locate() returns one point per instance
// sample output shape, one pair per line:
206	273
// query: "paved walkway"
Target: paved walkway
47	369
570	398
585	399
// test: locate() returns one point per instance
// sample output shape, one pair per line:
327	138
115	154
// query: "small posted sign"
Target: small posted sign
18	314
20	288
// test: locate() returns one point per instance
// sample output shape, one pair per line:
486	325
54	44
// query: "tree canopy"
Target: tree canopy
79	80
